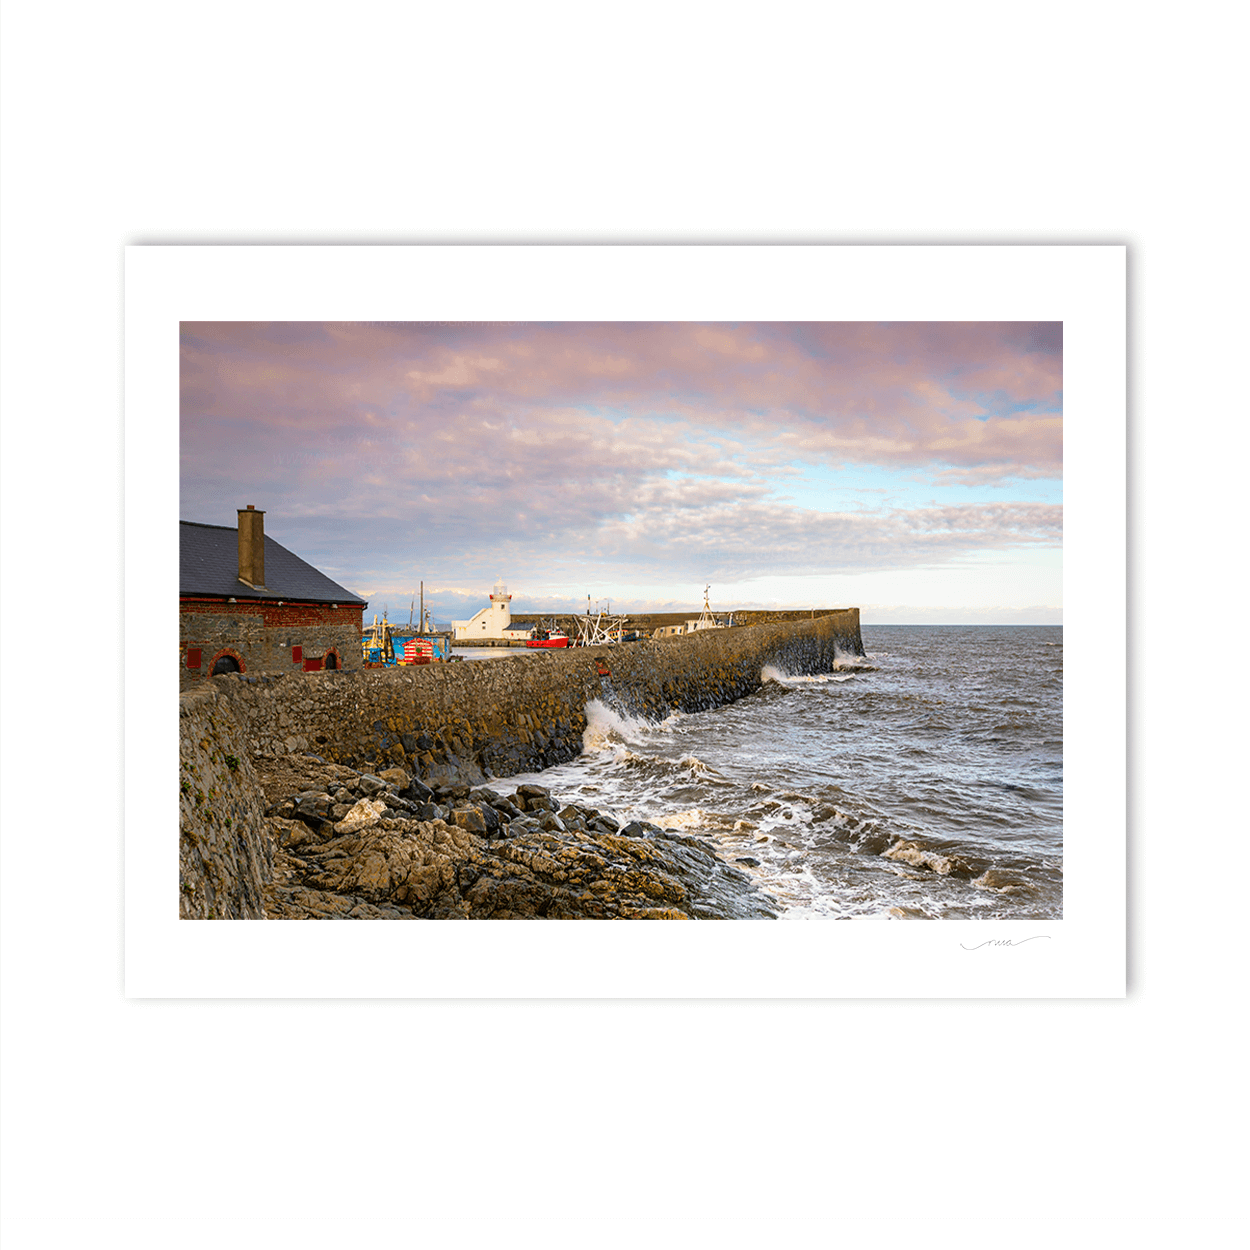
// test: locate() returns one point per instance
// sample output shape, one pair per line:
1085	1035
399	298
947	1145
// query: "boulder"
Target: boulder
470	820
507	809
363	815
417	792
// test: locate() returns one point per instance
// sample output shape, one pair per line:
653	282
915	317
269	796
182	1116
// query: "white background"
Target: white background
249	1123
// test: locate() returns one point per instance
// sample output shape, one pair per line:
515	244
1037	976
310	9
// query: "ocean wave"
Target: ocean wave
919	856
1001	882
771	673
607	728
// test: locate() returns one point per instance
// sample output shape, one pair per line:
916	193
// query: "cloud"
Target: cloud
906	395
552	451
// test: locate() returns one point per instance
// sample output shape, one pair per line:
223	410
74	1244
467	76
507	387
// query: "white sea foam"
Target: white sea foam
690	819
607	728
697	766
849	659
771	673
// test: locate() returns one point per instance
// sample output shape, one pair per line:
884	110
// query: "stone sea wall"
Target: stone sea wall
450	725
225	853
467	721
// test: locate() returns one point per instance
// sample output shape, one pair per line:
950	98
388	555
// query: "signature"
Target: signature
1005	942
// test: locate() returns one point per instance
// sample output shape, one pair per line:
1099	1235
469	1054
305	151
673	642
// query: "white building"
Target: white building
491	622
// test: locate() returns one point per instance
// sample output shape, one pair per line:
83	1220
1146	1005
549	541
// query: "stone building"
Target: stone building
248	605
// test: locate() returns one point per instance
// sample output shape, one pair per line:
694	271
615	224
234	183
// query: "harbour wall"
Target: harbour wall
448	722
445	723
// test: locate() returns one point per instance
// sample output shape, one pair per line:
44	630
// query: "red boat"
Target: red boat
548	638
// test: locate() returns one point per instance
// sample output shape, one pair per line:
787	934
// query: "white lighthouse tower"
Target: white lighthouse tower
490	622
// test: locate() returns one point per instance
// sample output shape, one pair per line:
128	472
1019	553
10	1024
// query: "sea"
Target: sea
923	780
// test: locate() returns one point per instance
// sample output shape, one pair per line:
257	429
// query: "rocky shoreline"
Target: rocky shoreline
353	845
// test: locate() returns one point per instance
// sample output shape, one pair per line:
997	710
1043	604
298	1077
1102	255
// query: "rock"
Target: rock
417	792
363	814
290	833
382	864
746	859
470	819
529	790
633	830
368	784
451	792
454	771
395	776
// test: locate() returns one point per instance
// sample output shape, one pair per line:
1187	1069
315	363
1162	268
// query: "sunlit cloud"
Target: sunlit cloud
570	452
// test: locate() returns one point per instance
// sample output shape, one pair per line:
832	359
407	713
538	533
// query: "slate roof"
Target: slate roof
209	565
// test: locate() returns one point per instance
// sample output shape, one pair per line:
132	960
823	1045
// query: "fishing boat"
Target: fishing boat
547	636
377	646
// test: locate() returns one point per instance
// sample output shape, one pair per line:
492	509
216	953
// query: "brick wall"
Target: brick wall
265	638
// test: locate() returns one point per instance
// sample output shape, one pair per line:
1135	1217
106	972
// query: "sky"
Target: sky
914	470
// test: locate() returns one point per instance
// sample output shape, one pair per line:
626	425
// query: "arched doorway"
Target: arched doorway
225	662
332	658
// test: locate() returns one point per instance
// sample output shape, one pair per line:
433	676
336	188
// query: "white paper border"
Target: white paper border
1083	955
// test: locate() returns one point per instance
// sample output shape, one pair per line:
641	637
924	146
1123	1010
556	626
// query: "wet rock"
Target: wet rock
746	859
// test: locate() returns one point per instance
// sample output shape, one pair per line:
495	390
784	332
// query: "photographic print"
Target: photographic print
665	618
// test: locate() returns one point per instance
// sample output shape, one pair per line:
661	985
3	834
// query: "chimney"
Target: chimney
252	547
